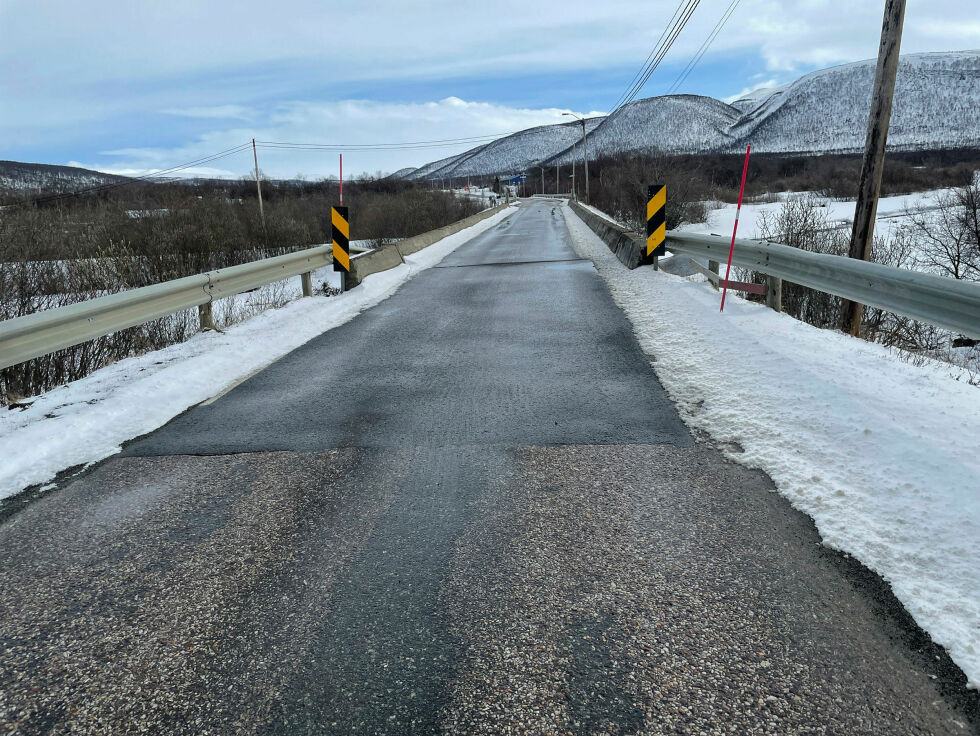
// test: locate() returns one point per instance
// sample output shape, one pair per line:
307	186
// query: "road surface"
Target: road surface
472	509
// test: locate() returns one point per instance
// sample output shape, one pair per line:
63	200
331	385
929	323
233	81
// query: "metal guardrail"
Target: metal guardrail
944	302
34	335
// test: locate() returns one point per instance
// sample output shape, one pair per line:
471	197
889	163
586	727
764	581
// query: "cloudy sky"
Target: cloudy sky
132	86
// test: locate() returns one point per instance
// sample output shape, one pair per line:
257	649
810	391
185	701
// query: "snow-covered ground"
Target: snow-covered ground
881	454
87	420
484	195
721	216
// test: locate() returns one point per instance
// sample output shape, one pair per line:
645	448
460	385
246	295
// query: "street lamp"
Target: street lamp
585	153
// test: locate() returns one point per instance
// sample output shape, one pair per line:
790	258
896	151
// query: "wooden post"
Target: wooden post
862	234
307	279
205	316
774	293
258	183
714	268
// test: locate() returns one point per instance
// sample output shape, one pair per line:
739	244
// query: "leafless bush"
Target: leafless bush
622	190
803	223
59	255
943	237
947	236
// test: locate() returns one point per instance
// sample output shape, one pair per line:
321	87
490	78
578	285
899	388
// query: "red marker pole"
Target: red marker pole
341	180
738	210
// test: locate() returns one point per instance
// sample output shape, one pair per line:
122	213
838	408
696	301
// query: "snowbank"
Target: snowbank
88	420
880	453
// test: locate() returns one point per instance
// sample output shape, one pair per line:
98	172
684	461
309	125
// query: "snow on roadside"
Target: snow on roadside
88	420
880	453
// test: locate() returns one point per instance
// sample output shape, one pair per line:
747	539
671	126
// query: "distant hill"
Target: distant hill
402	173
515	152
26	177
935	107
673	123
936	100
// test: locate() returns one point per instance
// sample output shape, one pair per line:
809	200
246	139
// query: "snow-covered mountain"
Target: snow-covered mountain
935	107
18	176
936	101
402	173
515	152
673	124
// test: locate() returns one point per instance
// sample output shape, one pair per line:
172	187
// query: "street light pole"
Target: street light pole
585	153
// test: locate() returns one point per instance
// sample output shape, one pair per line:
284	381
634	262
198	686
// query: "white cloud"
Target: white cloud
83	68
67	43
225	112
768	84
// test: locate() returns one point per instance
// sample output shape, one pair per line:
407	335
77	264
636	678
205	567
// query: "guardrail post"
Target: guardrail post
774	293
713	266
205	316
307	279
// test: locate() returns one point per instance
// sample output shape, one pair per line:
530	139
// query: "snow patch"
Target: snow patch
880	453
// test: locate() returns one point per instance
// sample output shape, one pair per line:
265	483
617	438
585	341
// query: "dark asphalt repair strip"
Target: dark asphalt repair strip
528	355
515	263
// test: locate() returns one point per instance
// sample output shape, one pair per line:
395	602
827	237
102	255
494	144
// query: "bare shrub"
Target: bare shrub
947	236
74	250
943	238
622	190
802	223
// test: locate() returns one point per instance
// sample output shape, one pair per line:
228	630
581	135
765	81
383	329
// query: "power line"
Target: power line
679	20
143	177
646	61
156	174
274	145
376	149
704	47
675	32
386	146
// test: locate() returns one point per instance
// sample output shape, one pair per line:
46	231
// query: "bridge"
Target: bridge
473	508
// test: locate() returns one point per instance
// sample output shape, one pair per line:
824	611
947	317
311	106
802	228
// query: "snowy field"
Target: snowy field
880	453
721	216
484	195
88	420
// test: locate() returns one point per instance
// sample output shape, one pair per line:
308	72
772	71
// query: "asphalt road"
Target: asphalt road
472	509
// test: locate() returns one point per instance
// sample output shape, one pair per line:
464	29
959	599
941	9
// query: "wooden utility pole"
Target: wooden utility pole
866	210
258	183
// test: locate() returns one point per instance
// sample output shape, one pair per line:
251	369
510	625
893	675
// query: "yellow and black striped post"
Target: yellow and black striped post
656	221
340	224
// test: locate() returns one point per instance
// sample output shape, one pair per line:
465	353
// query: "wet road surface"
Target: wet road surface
472	509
